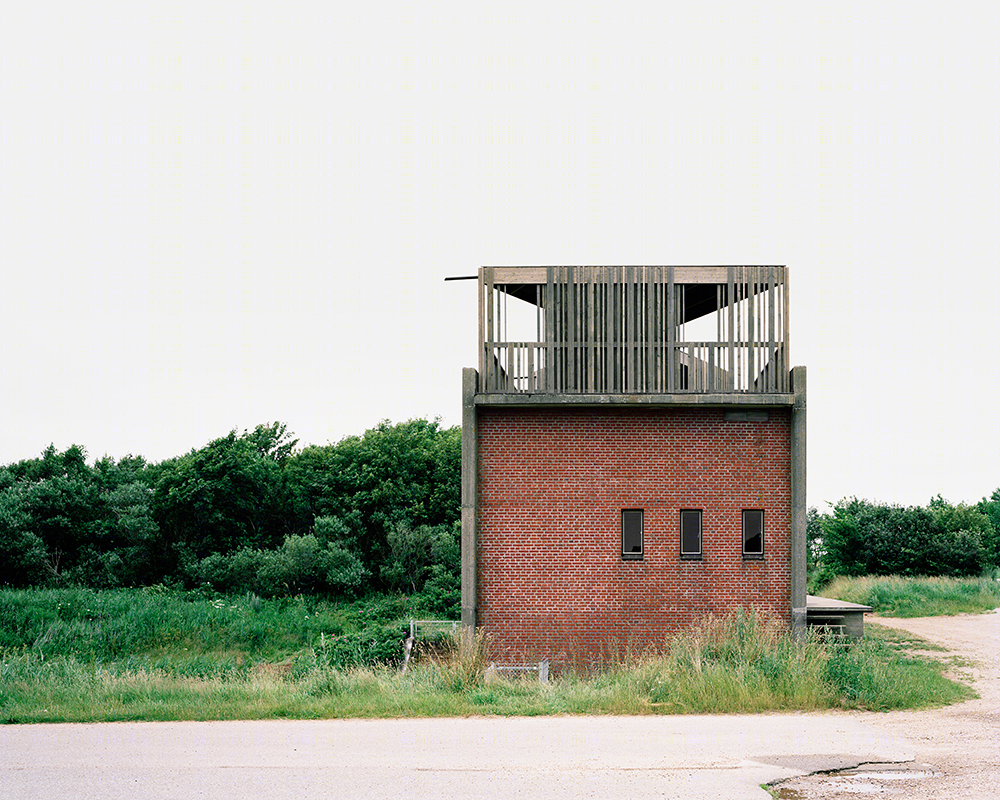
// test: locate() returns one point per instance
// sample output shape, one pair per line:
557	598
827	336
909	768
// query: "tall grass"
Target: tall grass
101	656
108	625
918	597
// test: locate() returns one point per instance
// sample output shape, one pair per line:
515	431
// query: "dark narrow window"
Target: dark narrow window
753	533
690	534
632	534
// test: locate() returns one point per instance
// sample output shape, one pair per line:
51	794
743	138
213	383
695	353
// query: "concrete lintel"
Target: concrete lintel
676	400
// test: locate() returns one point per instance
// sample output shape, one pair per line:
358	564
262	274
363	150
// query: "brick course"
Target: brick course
552	483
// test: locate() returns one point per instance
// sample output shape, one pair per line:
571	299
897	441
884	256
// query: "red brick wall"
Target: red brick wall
551	487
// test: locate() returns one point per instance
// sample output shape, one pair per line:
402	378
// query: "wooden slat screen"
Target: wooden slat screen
623	330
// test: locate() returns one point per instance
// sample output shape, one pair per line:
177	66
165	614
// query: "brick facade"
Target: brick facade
551	485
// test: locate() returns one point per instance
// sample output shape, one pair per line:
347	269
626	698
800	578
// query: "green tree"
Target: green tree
864	538
414	550
990	508
23	558
218	499
405	473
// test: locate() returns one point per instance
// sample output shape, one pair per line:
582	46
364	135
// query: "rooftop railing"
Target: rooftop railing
634	330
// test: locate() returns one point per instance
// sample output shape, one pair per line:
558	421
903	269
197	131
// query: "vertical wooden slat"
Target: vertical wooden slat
490	338
759	341
658	330
538	338
661	329
731	297
600	295
504	351
702	361
780	327
512	355
709	367
581	329
580	303
742	311
682	321
591	308
650	306
591	326
506	364
612	377
620	366
556	350
529	383
624	332
550	331
650	329
671	322
630	337
597	327
563	328
481	283
571	333
772	366
640	331
718	331
619	329
786	307
751	320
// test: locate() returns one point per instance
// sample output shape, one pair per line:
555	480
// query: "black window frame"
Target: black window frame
691	555
632	555
752	555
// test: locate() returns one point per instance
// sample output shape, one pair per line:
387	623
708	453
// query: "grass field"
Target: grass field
81	656
918	597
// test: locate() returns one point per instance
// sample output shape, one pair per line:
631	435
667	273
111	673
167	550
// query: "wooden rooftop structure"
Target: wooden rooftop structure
633	330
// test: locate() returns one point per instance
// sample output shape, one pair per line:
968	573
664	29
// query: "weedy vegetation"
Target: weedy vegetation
894	596
77	655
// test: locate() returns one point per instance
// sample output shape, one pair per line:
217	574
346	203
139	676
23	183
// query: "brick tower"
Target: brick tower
633	456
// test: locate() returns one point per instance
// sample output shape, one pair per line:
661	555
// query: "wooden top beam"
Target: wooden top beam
682	274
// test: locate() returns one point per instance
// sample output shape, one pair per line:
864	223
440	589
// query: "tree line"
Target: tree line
251	512
246	512
860	537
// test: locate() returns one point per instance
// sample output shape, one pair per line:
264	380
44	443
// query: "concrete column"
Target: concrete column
470	383
798	566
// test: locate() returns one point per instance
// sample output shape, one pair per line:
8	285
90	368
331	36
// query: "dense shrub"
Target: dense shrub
302	565
23	557
246	512
864	538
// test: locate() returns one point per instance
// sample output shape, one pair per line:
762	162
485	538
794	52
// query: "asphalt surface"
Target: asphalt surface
539	757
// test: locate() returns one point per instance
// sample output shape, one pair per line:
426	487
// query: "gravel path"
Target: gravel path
957	748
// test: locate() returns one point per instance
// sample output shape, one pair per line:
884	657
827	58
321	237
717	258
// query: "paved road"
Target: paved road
541	757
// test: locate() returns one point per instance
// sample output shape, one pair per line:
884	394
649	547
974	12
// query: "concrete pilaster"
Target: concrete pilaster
470	383
798	532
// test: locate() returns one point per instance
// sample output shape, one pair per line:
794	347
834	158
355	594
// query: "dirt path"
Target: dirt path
957	747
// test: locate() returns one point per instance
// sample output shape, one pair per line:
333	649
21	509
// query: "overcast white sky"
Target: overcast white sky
217	215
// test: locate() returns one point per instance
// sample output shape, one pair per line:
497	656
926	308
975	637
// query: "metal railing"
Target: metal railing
542	668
